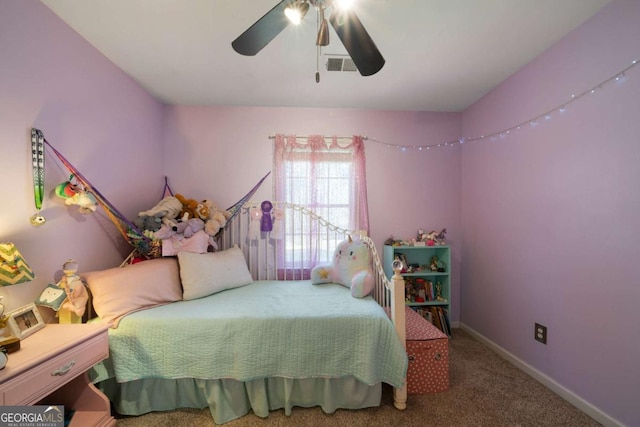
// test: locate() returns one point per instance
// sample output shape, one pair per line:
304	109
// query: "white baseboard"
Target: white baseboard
547	381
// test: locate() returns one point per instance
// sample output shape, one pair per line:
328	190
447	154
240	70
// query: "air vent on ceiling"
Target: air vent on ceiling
341	64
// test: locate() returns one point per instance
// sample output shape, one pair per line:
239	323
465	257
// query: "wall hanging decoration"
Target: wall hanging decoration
37	160
617	78
88	197
266	224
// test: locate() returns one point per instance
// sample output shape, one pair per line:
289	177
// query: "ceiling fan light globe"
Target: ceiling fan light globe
343	4
296	12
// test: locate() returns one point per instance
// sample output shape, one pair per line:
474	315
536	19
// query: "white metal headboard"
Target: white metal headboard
308	237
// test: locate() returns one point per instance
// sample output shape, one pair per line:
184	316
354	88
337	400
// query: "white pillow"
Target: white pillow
206	274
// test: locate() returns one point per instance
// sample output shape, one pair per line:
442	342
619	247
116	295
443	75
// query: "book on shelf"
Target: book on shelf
446	321
424	312
435	318
438	316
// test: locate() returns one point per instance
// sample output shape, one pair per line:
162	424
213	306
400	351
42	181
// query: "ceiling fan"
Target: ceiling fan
352	34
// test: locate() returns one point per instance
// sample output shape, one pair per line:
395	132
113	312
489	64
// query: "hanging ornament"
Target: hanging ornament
265	223
37	159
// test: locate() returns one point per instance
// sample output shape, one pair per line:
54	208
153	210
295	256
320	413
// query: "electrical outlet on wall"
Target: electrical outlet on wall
541	333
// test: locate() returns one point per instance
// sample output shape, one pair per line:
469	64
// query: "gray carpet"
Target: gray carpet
485	390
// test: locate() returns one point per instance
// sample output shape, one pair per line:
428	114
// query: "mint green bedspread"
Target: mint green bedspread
266	329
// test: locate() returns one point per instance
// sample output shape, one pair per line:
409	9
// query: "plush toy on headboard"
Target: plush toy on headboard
265	223
254	226
278	216
351	268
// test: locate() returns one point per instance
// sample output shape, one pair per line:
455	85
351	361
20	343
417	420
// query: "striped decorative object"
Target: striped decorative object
13	268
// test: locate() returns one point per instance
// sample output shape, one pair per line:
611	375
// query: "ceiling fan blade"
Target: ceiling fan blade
262	31
357	41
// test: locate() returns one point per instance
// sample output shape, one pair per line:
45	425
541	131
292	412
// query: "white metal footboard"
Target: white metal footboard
309	240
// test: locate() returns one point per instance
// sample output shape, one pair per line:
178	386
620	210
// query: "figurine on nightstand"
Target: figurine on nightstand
73	308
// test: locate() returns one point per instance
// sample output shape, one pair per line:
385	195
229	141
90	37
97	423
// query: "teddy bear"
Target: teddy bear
350	268
202	211
189	207
217	218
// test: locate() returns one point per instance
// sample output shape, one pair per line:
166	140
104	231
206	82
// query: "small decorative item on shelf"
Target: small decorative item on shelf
439	292
441	237
433	265
431	238
409	291
420	287
442	266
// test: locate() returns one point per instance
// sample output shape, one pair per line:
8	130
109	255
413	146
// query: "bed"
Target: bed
241	330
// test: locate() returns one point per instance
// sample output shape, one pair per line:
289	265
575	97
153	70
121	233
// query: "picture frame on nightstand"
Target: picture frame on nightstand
25	321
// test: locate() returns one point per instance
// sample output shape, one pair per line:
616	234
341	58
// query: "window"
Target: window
326	176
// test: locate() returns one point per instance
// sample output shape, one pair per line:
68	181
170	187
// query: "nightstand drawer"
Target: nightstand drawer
39	381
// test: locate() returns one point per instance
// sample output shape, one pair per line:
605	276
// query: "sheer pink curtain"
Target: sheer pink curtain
321	154
326	175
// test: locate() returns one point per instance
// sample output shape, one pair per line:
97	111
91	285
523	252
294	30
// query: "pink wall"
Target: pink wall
550	215
221	152
98	117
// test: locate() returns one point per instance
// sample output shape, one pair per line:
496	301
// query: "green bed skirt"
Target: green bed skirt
229	399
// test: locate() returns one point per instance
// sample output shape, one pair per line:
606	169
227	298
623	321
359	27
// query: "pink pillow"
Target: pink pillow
121	291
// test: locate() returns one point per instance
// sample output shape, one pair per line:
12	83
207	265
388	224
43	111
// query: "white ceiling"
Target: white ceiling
441	55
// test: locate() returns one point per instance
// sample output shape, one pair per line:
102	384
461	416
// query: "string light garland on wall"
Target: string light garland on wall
532	122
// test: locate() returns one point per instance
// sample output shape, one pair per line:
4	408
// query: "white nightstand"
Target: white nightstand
50	369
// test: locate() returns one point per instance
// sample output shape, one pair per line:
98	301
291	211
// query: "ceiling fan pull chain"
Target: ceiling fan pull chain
318	47
317	66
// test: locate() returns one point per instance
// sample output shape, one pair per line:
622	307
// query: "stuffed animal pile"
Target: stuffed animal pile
178	217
